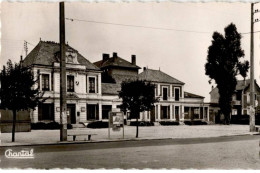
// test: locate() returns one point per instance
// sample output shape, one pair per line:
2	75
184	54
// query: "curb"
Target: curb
123	140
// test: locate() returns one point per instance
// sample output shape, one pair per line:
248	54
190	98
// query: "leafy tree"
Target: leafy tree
137	96
223	65
17	90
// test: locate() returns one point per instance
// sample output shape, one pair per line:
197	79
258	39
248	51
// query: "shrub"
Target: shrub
52	126
97	124
196	122
69	126
169	123
141	123
47	126
38	126
244	119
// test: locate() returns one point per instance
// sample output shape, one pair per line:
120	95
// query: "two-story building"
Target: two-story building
83	83
115	70
240	99
174	103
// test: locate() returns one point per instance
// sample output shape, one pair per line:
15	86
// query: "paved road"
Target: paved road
199	153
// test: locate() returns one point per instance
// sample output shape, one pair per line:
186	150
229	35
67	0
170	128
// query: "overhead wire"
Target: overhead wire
148	27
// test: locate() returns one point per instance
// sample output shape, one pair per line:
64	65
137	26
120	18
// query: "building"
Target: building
240	99
174	103
84	88
115	70
92	88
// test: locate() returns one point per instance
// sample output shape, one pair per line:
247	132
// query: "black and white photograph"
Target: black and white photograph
130	85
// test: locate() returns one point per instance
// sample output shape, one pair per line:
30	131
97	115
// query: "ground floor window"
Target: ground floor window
92	112
177	113
165	112
105	111
46	111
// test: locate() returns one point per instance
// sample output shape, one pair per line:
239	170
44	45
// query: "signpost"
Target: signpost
116	121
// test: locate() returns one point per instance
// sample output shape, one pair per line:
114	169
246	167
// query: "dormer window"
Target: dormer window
70	59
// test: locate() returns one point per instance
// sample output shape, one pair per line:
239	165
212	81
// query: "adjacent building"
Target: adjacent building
83	79
174	103
240	99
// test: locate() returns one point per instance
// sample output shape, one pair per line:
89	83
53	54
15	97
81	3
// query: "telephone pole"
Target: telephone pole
63	103
252	78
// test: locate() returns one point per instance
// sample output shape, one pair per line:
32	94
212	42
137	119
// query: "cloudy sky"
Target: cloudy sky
174	36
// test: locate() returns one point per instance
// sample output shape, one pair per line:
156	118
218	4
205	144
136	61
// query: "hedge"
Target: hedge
47	126
141	123
97	124
196	122
169	123
243	119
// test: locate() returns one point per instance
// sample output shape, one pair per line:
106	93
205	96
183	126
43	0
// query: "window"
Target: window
92	111
105	111
69	59
92	85
46	111
165	93
177	94
70	83
164	112
45	82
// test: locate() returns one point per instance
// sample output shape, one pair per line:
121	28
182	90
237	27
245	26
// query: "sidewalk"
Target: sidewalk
38	137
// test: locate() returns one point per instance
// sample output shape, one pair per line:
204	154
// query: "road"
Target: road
236	152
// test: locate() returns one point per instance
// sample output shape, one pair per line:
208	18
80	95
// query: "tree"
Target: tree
17	90
137	96
223	65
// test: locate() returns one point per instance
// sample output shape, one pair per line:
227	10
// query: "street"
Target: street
233	152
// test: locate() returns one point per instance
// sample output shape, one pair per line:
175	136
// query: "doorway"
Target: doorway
71	109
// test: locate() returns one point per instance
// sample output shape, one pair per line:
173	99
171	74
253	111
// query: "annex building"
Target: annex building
92	88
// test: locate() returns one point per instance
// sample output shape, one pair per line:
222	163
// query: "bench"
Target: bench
74	136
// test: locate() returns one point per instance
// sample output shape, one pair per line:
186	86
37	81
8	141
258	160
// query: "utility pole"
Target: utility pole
63	103
252	78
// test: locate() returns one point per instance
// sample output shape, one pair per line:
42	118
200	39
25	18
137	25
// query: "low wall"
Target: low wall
23	121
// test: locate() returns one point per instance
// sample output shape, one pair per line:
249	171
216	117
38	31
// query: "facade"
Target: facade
92	88
240	99
174	103
83	84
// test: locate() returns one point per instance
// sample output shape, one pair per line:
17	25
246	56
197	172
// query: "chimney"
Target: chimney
133	59
144	68
105	56
21	58
114	56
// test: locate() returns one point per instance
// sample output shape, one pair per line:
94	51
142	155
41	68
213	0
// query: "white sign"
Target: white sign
23	154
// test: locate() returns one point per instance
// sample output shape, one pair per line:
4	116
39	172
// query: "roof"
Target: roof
190	95
44	54
115	62
158	76
241	84
110	89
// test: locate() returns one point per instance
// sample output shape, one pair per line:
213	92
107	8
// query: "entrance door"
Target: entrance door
71	108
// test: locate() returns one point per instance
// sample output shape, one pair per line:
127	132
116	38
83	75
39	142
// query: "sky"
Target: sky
172	37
